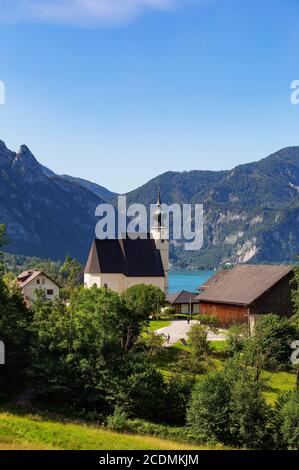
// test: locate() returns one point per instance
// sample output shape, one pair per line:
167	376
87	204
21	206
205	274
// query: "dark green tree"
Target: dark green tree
270	346
286	428
72	273
15	322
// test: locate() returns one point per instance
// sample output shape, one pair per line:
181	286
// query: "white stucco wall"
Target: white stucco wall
31	287
119	282
114	282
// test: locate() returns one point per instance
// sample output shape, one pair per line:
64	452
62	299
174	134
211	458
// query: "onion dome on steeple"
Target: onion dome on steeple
159	215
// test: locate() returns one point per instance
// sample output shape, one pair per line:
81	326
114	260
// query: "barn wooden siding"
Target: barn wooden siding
226	314
277	300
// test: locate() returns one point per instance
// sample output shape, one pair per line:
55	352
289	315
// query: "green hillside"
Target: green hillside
34	432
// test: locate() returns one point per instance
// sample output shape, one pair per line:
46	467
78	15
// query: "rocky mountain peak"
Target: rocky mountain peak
5	153
27	166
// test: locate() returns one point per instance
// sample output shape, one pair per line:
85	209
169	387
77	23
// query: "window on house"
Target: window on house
50	292
43	280
38	281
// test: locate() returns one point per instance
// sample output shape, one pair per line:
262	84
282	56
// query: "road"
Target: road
179	328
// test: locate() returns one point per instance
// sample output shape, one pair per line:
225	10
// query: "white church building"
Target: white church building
122	263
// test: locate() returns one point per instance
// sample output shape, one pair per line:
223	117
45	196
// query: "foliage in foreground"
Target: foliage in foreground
229	407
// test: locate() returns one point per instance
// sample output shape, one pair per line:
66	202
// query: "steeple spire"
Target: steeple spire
159	197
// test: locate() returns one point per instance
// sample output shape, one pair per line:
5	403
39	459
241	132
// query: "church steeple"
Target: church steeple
159	217
159	197
159	232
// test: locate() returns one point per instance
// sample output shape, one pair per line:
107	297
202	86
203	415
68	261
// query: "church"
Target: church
122	263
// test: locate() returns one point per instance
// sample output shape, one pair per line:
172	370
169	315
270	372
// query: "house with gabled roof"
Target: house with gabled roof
183	302
30	281
244	293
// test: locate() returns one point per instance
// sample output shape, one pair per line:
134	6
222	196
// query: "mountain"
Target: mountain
98	190
251	212
46	216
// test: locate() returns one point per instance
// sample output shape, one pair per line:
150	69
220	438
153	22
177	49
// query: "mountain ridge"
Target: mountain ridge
251	212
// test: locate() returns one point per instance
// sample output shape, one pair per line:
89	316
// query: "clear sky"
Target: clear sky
119	91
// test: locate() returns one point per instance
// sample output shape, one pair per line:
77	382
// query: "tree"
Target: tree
139	388
15	334
287	421
195	360
151	342
249	414
139	302
144	300
236	338
295	292
71	272
229	407
177	395
271	343
208	410
198	340
3	241
83	357
76	346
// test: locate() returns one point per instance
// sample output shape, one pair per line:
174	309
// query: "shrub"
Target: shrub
269	347
287	421
118	421
229	407
236	338
205	319
175	433
177	394
208	411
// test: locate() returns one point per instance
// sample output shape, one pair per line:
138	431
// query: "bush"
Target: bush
229	407
140	390
210	320
208	412
181	434
249	416
177	394
236	338
287	421
269	347
118	421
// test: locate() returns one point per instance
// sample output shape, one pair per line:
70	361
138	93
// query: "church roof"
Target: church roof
133	258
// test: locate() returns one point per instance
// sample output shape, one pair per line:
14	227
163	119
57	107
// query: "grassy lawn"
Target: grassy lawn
276	383
33	432
158	324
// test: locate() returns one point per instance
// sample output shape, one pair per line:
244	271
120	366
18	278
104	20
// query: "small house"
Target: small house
29	281
183	302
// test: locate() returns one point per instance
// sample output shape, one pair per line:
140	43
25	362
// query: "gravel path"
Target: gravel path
179	328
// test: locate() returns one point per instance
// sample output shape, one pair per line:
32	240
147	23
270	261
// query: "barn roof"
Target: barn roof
243	284
133	258
182	297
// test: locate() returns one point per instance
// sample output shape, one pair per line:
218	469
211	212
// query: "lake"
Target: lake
188	280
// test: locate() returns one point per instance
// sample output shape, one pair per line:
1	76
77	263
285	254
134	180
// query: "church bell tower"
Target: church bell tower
160	234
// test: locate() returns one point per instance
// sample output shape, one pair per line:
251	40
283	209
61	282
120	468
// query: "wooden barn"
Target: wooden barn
243	293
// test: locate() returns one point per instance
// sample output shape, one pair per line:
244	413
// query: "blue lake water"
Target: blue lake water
188	280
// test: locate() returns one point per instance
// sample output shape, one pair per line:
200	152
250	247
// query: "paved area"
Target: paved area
179	328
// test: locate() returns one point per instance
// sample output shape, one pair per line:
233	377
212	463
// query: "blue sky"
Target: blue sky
119	91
